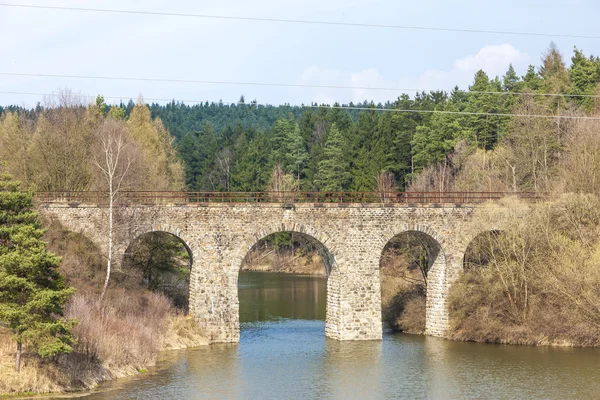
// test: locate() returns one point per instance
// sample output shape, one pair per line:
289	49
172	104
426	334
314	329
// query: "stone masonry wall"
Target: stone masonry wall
351	237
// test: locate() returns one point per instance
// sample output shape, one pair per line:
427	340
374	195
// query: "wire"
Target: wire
288	85
357	108
299	21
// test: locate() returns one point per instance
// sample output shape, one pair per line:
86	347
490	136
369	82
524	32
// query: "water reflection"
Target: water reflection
279	357
266	296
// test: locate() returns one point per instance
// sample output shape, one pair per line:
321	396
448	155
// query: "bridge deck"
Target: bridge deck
205	198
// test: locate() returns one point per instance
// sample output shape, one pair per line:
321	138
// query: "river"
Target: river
283	354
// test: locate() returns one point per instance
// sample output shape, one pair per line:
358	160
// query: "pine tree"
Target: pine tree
296	154
532	80
511	81
432	143
362	163
251	171
281	132
334	170
584	75
485	129
32	292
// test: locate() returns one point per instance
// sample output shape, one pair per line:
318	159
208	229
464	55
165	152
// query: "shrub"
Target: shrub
540	280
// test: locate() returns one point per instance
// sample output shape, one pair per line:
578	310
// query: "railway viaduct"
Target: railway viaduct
350	238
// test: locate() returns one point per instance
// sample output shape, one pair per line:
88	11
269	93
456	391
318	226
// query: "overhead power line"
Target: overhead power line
357	108
286	85
299	21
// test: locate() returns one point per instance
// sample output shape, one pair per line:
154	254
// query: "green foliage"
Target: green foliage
431	144
333	173
32	292
296	154
584	75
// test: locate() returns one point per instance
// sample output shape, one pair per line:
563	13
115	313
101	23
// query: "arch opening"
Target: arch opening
161	262
481	250
285	275
406	262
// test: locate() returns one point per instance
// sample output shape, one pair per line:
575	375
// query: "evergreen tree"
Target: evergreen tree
433	143
363	166
190	151
510	81
252	167
334	172
532	79
584	75
281	132
198	151
485	129
32	292
296	154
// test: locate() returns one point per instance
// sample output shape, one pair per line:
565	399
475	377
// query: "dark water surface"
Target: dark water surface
283	354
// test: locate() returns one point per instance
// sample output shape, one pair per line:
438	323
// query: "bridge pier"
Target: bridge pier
353	310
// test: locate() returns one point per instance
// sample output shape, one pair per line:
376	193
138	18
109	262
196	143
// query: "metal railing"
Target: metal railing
154	197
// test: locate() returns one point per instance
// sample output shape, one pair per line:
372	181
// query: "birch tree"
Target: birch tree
114	164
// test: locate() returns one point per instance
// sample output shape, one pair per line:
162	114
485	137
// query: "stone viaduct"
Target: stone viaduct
350	239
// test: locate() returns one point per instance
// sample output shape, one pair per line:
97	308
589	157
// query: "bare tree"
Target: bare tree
225	161
281	183
114	169
386	186
435	178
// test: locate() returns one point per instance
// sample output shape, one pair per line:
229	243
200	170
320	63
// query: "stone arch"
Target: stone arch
328	252
325	246
436	315
180	300
472	240
187	241
466	239
391	232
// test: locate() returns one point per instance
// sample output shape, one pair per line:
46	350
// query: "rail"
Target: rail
162	197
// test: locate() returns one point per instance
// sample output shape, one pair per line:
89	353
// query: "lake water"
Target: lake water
283	354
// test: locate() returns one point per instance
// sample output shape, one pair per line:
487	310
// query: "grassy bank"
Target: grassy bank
121	347
116	338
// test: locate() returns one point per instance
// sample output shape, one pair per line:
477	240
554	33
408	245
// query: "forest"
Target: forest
236	147
535	281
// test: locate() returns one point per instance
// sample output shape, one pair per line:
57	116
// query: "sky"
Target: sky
169	47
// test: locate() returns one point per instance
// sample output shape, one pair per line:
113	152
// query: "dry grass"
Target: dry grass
125	332
82	264
34	377
115	340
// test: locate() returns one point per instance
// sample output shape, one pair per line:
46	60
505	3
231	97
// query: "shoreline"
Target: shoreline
98	374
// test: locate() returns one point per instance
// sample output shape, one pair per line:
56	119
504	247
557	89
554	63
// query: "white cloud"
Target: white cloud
493	59
356	81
